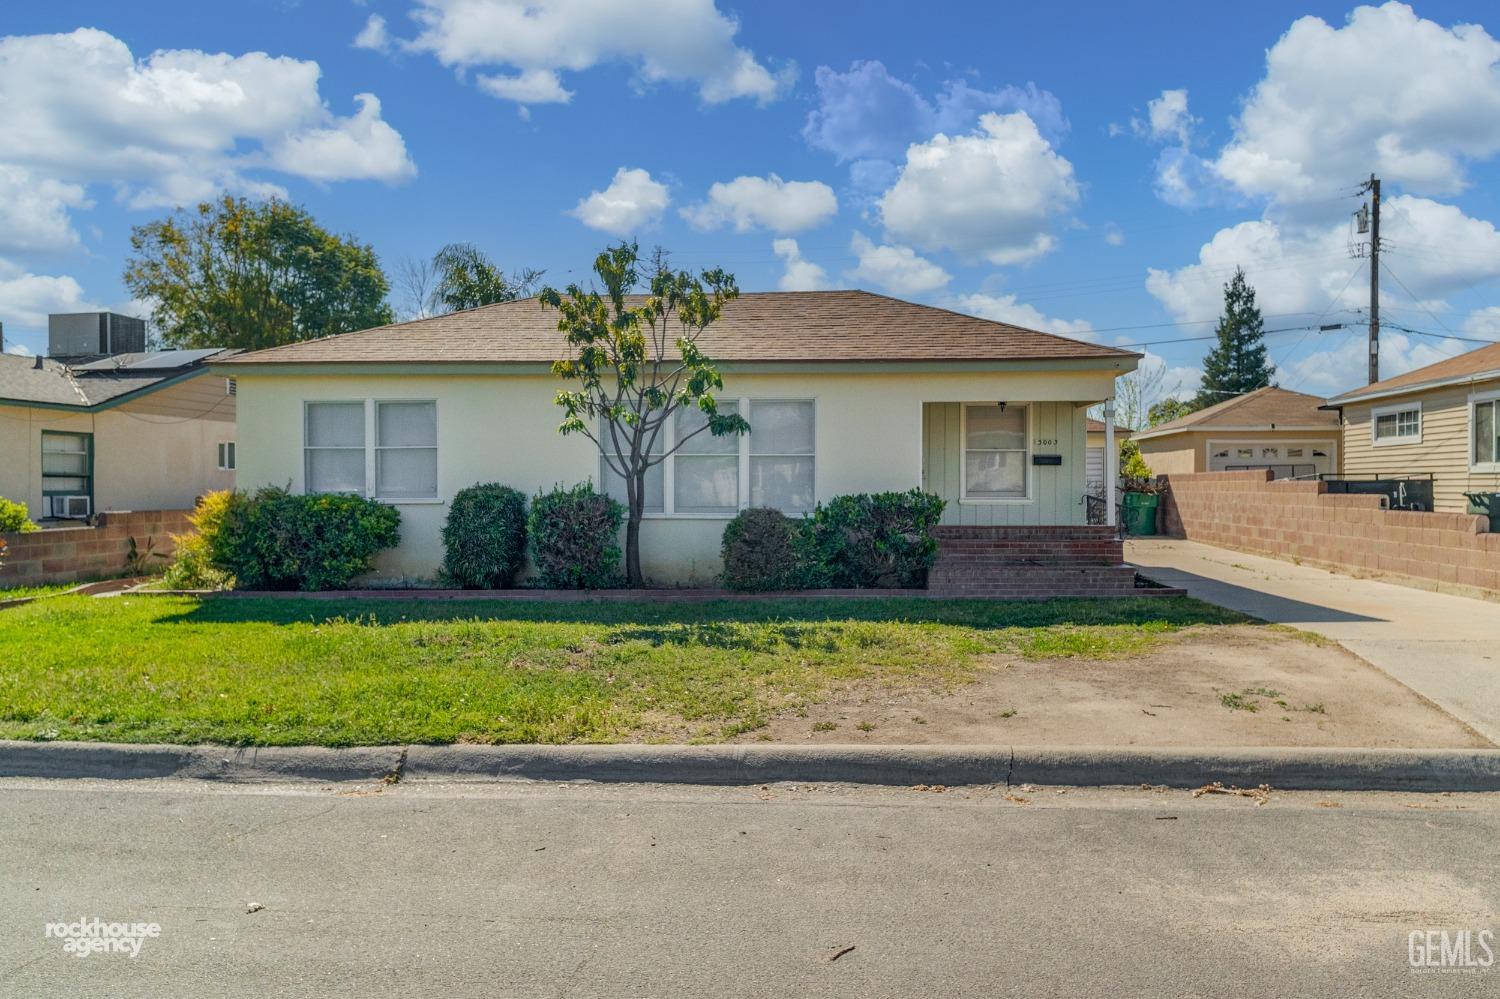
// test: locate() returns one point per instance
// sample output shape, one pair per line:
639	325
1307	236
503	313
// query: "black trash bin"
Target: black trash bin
1486	505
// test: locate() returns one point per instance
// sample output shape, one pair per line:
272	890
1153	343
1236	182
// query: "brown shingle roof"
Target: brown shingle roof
763	326
1484	361
1097	427
1267	408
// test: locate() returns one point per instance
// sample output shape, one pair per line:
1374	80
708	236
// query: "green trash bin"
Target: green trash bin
1486	505
1138	513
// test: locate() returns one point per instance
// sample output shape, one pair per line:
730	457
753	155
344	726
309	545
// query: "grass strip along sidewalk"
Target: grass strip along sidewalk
267	671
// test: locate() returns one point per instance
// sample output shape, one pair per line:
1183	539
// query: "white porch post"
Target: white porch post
1111	463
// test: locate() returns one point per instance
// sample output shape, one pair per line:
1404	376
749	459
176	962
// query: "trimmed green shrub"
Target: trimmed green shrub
15	517
484	537
275	540
574	536
192	565
880	539
764	549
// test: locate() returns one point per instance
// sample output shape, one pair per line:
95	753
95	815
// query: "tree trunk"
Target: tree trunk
633	546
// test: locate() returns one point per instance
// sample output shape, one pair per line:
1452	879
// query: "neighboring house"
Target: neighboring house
845	392
139	430
1441	421
1094	461
1272	428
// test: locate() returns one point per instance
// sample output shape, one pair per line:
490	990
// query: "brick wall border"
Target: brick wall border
70	554
1302	521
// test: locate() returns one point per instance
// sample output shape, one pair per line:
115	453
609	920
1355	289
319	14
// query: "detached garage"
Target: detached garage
1272	428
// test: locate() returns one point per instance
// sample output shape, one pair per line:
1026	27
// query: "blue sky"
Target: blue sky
1080	167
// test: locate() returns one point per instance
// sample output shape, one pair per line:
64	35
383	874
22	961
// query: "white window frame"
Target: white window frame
1376	412
371	427
226	456
963	458
1477	399
669	464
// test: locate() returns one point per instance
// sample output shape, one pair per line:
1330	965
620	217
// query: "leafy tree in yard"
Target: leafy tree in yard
466	278
637	362
239	273
1169	409
1237	364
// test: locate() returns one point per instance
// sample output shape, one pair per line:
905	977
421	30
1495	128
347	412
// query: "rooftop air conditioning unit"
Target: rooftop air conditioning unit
70	507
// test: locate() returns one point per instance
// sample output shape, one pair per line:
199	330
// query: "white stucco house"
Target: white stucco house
845	391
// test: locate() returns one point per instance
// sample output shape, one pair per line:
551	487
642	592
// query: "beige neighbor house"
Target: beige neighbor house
1275	428
1441	421
845	392
90	433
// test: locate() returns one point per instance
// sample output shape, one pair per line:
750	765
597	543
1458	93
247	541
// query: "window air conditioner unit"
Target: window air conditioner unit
70	507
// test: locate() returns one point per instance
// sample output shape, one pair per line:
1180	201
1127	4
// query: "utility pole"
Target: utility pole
1368	218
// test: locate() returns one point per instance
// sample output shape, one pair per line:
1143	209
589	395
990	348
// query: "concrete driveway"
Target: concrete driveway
1445	648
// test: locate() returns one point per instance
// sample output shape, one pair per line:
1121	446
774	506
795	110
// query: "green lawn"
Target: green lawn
17	592
265	671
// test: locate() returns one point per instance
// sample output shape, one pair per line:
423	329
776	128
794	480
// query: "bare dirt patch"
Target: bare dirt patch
1217	685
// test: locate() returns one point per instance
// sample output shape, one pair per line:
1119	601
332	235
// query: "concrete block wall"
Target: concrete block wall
70	554
1301	520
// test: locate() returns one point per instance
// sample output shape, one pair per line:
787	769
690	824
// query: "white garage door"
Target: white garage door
1300	460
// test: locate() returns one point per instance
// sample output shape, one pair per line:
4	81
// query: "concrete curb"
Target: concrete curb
256	764
1283	768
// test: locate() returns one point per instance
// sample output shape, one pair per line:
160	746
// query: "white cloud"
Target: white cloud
176	126
1114	235
1005	309
800	274
34	211
534	86
1345	366
990	195
373	35
26	299
534	40
1167	116
1389	92
1484	323
362	147
868	114
897	269
768	202
1436	250
631	201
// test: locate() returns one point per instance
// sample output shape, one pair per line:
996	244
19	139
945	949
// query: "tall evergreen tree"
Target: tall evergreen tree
1237	364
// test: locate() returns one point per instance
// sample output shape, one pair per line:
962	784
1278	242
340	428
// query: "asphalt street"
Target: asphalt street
423	889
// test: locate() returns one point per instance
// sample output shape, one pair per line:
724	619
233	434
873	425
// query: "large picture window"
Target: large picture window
706	471
405	450
996	458
1485	423
387	450
781	455
706	476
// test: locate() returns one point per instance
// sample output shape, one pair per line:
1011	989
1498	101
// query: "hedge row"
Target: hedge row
276	540
862	540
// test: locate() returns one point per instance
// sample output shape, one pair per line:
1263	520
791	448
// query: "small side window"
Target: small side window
226	456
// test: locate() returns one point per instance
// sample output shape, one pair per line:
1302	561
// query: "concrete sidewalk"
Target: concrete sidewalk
1446	648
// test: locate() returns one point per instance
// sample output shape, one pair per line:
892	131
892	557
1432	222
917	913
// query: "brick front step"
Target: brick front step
1022	582
1030	563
